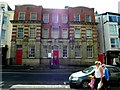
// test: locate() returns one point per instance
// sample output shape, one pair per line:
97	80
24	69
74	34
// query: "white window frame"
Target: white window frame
89	51
115	44
35	16
20	32
55	33
55	18
65	50
78	53
88	33
32	32
88	19
45	32
113	30
64	18
76	17
31	50
77	32
64	33
46	18
21	18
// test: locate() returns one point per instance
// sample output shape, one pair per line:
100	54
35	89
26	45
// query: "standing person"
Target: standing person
106	77
98	74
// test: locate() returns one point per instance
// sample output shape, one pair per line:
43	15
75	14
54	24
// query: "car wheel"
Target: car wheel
85	84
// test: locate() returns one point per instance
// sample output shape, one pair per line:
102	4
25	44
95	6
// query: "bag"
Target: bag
100	84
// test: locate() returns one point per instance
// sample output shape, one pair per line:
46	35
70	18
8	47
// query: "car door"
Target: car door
115	74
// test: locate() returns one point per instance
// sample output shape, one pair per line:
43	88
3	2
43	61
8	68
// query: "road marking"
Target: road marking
39	86
37	72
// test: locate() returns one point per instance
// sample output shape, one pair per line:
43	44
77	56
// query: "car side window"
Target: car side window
113	69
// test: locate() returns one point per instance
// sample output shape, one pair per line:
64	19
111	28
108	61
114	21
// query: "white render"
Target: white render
104	32
8	26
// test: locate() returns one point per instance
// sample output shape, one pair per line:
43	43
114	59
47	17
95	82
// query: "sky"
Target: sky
101	6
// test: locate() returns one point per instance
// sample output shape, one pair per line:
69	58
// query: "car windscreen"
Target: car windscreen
88	70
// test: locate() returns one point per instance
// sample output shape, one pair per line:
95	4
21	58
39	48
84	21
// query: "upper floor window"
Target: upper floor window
33	16
46	18
88	18
112	18
64	18
89	51
45	33
20	32
88	33
5	20
55	18
32	32
3	34
55	33
114	43
77	32
76	17
65	33
21	16
113	29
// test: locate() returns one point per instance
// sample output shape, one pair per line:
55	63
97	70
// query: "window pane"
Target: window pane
55	33
77	32
46	18
64	19
64	51
32	32
76	17
77	51
45	33
112	18
113	29
55	18
88	33
21	16
88	18
5	20
45	51
65	33
3	34
33	16
89	51
20	32
114	42
31	51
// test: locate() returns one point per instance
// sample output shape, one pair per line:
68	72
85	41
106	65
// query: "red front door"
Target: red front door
19	57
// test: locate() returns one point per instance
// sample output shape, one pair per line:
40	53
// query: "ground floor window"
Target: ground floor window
45	51
89	51
77	51
31	51
64	51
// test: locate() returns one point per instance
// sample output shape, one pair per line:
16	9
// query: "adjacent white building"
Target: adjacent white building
108	36
6	14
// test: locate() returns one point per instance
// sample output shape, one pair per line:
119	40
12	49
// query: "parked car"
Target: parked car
80	78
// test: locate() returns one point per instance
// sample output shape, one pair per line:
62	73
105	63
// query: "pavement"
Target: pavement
40	67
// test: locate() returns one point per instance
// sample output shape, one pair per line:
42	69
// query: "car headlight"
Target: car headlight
73	78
